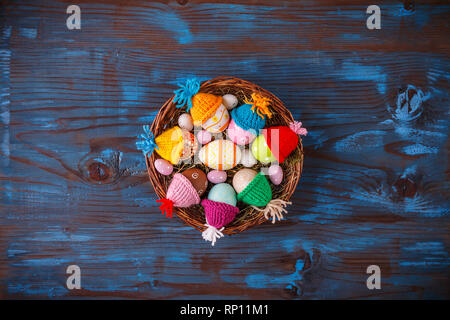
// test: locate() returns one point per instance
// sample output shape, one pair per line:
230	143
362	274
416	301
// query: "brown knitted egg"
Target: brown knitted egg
198	179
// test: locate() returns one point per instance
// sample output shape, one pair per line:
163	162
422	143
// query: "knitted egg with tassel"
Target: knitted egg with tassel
278	142
206	109
254	189
248	119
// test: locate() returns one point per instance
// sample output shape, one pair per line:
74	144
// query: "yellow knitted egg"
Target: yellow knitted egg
220	155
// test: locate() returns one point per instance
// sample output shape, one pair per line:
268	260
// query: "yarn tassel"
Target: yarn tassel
296	126
184	94
212	234
274	209
260	104
166	207
147	141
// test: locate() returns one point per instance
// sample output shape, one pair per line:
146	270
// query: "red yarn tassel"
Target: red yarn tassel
166	207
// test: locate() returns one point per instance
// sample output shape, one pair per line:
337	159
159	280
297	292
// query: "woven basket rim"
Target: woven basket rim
248	217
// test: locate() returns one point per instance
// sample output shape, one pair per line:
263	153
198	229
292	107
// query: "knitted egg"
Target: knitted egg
224	193
239	135
258	194
206	109
197	178
220	155
277	143
248	119
219	121
242	179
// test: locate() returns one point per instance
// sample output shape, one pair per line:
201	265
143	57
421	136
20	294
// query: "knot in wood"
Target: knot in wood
409	104
405	187
408	5
98	171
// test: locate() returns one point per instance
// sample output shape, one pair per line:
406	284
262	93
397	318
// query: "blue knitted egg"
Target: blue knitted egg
248	119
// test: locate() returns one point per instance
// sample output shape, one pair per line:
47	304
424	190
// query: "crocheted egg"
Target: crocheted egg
242	178
261	150
239	135
218	122
223	192
197	178
220	155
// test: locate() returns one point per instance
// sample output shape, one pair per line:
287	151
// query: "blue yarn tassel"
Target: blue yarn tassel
184	94
147	141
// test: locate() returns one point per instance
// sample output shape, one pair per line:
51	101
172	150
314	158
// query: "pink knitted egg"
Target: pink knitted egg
239	135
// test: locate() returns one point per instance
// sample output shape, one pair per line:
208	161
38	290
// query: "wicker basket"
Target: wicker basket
248	217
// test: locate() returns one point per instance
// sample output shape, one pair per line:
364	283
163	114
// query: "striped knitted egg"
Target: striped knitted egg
220	155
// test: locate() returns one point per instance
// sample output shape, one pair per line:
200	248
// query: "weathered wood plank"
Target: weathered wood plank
375	185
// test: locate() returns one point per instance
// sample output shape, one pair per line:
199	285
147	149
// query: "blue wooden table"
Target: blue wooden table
375	186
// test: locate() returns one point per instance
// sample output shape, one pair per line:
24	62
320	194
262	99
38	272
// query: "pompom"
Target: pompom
166	207
147	141
274	209
184	94
212	234
296	126
260	104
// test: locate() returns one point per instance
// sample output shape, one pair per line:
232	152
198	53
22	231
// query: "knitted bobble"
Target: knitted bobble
296	126
274	209
186	91
217	215
147	141
181	194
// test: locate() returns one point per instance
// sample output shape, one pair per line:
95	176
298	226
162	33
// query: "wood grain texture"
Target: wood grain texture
374	189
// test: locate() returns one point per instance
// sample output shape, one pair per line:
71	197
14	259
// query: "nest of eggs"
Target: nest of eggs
248	217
